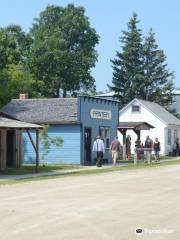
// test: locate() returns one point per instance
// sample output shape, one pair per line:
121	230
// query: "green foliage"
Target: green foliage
128	65
47	141
15	79
14	76
14	45
140	69
158	84
63	50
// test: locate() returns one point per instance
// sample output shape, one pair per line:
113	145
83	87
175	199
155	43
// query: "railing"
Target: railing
146	152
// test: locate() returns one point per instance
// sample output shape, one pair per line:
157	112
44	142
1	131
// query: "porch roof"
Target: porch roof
6	123
135	125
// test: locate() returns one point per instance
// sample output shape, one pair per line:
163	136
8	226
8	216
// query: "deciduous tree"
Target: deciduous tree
63	50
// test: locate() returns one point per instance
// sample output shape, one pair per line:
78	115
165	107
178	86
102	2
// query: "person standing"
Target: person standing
148	142
148	145
115	149
177	147
156	147
98	147
128	147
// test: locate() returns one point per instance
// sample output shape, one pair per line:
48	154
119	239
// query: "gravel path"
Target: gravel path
94	207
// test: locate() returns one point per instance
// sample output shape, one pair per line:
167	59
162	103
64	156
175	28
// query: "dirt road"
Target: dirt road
94	207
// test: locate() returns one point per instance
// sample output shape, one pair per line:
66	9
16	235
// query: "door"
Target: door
10	148
87	146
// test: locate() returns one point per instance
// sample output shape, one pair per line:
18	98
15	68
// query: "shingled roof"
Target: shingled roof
6	123
47	111
165	116
161	112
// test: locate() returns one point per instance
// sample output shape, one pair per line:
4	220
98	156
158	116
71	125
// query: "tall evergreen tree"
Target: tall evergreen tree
128	75
140	69
158	84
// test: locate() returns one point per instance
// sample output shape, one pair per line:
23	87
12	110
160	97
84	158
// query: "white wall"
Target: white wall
170	147
144	116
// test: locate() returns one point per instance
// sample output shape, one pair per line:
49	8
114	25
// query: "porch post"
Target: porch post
3	148
123	132
138	132
37	150
124	144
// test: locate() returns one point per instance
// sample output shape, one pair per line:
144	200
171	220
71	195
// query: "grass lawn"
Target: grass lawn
60	168
30	168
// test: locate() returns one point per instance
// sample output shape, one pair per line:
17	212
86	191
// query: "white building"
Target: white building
166	126
175	105
176	102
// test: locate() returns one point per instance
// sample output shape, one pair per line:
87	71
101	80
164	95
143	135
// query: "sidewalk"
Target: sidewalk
63	172
34	175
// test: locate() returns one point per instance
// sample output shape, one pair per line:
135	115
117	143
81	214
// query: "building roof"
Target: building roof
107	94
111	94
165	116
45	111
135	125
176	104
14	124
176	92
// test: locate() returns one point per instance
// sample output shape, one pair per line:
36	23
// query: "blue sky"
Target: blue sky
109	18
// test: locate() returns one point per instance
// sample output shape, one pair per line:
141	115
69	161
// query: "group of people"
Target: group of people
115	148
149	145
99	148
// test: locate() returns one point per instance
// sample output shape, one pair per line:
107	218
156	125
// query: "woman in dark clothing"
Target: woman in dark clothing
156	147
128	147
177	146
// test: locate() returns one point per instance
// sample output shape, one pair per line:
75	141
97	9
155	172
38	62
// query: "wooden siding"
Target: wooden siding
85	105
3	148
68	153
18	148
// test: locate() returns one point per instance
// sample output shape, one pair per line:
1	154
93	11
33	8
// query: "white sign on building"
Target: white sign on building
100	114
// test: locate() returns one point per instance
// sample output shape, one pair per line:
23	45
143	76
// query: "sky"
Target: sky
110	18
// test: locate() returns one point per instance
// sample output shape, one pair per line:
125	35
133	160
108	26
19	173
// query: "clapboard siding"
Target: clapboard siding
68	153
85	105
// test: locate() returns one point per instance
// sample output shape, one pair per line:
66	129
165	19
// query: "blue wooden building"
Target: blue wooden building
76	120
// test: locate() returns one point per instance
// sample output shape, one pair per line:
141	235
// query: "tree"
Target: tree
140	69
47	141
15	79
63	50
158	84
14	76
14	45
128	73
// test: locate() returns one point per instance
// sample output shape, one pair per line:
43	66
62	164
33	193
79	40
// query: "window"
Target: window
169	136
136	107
104	132
175	134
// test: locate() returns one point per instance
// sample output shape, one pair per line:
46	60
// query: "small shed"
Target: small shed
10	141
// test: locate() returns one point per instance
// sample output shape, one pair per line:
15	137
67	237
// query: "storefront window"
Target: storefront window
105	135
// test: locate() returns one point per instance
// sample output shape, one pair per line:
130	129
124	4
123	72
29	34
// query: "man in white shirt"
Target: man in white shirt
99	148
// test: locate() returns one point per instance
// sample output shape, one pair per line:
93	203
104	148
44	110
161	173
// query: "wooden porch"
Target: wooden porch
11	142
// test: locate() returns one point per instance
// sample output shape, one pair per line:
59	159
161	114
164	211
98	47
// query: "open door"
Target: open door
11	148
87	146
